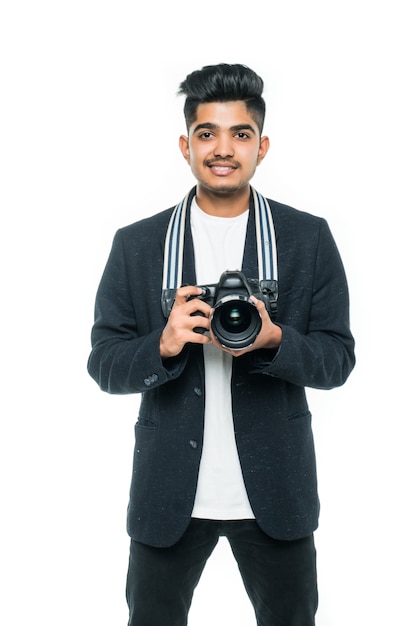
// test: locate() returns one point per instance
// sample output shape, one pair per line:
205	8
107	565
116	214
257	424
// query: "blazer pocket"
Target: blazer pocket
299	416
146	422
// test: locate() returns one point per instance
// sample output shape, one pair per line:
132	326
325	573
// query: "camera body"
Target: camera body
235	320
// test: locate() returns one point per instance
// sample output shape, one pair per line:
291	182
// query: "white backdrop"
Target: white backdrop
89	127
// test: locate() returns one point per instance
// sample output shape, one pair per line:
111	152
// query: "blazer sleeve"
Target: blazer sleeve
318	352
125	355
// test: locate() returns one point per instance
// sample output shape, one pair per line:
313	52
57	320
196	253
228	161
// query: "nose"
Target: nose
223	147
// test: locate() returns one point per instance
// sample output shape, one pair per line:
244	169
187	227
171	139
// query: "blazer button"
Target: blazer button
153	378
193	444
198	391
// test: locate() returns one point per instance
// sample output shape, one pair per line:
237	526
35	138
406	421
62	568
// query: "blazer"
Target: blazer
270	411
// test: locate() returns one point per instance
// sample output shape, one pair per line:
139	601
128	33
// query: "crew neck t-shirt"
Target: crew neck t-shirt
221	494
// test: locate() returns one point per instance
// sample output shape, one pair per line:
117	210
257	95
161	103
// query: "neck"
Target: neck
223	204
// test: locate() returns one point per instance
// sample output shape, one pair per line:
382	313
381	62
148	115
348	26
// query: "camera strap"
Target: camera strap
265	242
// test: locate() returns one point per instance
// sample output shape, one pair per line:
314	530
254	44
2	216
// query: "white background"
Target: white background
89	127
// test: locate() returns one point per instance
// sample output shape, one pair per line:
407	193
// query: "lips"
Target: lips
221	169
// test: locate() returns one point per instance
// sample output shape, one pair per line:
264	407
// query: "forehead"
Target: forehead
224	114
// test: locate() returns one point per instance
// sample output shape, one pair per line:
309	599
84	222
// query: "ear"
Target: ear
263	148
185	147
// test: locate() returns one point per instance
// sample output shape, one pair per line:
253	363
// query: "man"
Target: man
224	445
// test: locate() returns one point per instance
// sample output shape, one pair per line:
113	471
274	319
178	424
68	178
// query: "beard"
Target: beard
223	188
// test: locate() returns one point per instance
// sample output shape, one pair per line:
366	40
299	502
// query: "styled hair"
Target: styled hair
223	83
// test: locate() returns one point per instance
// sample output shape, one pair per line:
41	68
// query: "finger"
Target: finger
197	306
185	292
260	306
258	303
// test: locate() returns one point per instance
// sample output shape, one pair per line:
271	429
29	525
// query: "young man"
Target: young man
224	445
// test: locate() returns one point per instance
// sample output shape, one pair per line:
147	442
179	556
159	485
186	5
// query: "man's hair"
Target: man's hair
223	83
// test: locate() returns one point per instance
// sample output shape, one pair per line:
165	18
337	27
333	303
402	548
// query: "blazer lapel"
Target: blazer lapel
250	255
188	270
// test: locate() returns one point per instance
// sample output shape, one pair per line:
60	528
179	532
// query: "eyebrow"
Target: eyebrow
210	126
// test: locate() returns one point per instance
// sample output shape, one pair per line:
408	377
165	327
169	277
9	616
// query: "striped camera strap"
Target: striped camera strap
174	248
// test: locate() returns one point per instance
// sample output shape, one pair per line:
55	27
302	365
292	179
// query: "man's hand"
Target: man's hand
182	321
270	335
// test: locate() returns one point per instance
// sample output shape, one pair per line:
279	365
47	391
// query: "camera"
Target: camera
235	320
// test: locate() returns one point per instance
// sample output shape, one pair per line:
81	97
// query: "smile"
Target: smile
222	170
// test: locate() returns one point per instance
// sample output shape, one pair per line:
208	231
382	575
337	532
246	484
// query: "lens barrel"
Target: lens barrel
235	322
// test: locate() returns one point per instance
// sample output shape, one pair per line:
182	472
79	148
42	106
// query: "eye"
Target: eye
206	135
242	135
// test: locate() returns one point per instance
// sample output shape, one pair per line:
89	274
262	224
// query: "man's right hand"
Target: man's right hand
182	321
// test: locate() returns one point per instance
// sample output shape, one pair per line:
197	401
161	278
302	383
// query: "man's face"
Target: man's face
223	147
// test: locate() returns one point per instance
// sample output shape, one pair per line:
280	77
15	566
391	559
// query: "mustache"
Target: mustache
220	161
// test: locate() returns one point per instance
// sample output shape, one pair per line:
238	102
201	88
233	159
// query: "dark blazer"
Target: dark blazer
270	411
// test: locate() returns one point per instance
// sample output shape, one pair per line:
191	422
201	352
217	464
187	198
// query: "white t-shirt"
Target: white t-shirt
218	246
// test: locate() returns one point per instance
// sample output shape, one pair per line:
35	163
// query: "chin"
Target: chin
223	188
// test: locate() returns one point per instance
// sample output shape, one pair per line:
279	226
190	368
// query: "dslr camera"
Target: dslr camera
235	320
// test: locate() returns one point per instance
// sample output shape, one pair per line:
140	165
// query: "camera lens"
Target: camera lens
236	322
234	318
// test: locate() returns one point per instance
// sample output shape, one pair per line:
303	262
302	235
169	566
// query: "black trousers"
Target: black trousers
279	576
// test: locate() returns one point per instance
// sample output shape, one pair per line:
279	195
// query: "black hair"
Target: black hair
223	83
